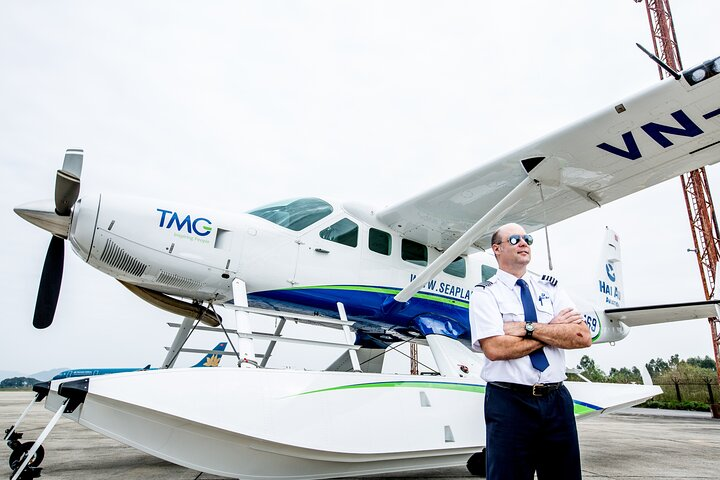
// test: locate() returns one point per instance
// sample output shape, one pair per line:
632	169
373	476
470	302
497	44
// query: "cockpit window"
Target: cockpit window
294	214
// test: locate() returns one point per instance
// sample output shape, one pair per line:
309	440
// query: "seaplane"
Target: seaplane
399	273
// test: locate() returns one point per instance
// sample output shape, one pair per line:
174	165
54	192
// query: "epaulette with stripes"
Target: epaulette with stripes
484	284
551	280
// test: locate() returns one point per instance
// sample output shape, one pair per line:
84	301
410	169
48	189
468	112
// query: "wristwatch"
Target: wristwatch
529	329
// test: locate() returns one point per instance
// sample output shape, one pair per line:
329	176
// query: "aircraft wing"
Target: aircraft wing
649	315
661	133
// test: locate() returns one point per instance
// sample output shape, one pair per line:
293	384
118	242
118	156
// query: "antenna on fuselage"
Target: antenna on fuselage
662	64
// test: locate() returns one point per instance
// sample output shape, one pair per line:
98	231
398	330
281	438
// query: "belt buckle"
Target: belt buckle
538	390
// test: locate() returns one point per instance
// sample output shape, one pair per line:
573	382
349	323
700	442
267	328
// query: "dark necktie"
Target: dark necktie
538	358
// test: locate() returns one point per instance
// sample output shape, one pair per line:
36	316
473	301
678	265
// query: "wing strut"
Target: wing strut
245	345
467	239
547	235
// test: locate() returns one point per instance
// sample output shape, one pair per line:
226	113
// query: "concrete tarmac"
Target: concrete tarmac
636	444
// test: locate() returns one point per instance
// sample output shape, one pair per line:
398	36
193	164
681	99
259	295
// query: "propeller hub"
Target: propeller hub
42	214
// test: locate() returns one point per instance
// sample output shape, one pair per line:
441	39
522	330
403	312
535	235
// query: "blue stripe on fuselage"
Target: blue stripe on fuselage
360	305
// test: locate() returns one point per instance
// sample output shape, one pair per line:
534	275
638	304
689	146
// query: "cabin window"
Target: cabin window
344	232
488	272
380	242
295	214
414	252
456	268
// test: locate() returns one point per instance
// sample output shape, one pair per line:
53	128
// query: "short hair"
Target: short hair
496	237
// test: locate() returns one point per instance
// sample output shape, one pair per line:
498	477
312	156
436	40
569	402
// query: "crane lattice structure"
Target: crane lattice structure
696	188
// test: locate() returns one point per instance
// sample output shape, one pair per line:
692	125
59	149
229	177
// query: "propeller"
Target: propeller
56	221
49	291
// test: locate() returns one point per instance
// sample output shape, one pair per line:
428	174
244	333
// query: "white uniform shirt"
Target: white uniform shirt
500	302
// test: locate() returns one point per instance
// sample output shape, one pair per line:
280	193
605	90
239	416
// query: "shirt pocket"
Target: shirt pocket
545	311
511	311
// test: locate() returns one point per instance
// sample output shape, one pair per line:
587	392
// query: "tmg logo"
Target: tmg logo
191	226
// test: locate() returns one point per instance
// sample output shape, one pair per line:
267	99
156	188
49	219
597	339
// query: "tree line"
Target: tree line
688	384
694	368
18	382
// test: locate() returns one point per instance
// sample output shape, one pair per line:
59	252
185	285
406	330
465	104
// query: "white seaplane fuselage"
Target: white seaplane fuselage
333	253
265	423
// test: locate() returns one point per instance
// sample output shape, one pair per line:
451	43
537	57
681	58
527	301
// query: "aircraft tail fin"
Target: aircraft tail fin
611	290
212	359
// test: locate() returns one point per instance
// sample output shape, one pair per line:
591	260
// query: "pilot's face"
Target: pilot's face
510	257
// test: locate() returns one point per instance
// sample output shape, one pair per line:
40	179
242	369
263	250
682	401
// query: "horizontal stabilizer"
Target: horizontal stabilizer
652	314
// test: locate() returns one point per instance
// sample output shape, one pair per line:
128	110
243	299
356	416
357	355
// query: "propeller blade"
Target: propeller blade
73	162
67	189
67	182
50	281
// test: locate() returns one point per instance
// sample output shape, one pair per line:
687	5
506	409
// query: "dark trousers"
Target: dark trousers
527	434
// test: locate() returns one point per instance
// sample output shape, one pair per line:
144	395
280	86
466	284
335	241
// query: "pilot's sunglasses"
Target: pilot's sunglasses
515	239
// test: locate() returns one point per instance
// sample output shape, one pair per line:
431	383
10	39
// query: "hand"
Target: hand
514	329
568	315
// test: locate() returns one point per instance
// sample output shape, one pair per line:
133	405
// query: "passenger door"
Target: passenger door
330	253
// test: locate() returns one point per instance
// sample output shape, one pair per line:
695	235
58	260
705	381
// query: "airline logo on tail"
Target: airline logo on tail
610	289
212	359
610	271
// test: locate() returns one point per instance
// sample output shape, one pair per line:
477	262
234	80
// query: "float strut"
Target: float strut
22	472
11	434
246	348
180	337
74	393
348	338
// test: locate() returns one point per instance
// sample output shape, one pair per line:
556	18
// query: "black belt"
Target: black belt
537	390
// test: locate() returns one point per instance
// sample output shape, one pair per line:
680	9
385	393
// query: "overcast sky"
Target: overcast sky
235	104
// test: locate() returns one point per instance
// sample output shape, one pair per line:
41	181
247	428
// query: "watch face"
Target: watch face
529	327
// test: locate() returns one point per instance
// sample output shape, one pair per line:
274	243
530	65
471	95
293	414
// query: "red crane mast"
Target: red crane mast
696	189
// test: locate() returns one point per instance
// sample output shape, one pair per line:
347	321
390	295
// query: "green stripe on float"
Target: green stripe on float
580	410
442	386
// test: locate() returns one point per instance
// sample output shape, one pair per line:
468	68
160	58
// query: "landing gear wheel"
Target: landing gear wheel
30	473
477	464
17	456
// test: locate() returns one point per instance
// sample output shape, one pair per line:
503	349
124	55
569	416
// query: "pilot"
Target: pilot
522	322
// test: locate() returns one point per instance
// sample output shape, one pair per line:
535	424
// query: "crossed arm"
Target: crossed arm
567	330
